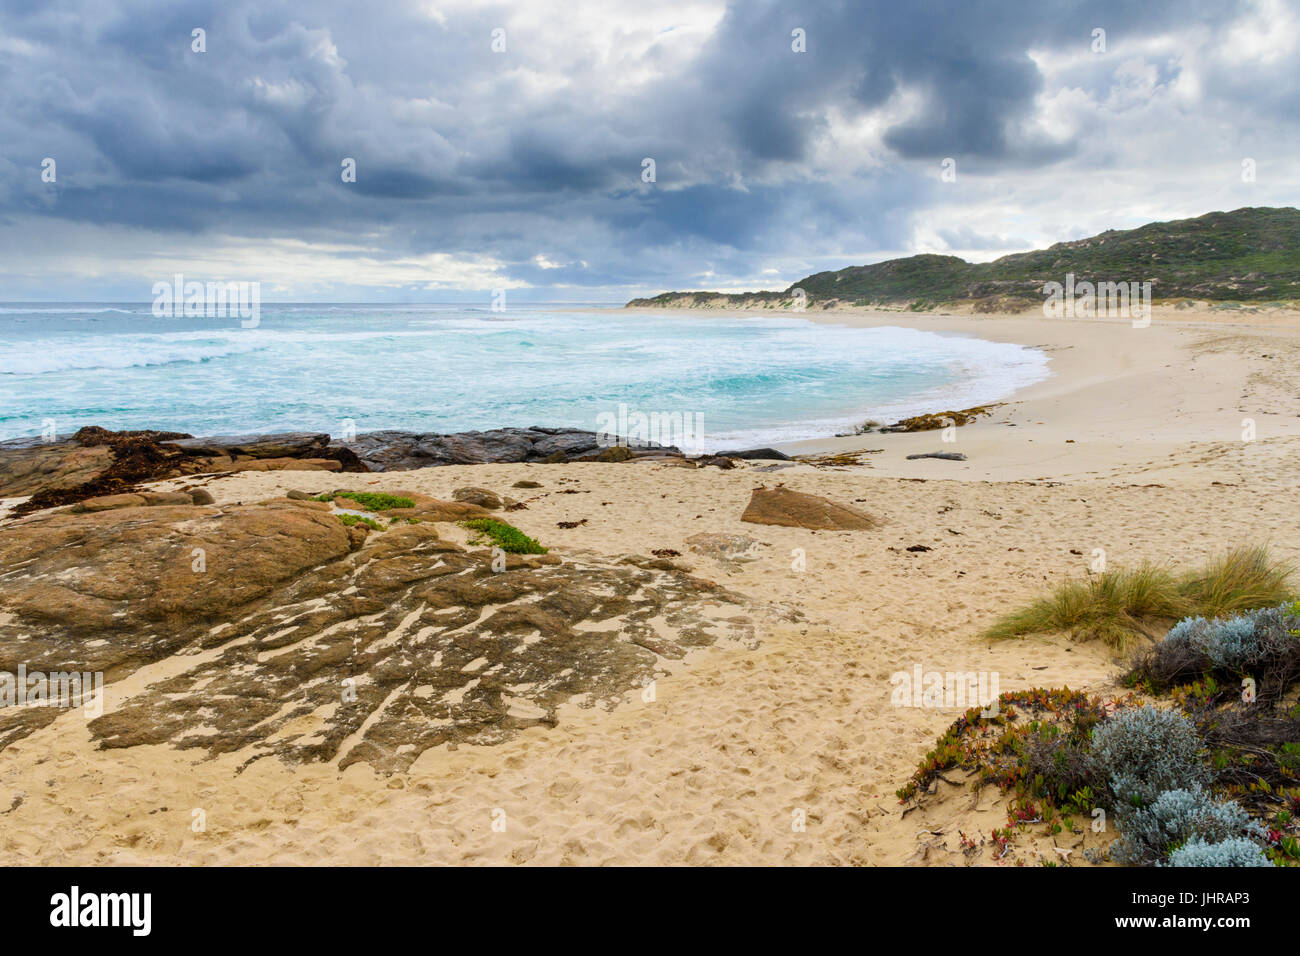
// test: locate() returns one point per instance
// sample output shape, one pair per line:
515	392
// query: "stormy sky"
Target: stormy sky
522	168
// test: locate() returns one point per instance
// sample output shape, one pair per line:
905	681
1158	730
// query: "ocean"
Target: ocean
745	381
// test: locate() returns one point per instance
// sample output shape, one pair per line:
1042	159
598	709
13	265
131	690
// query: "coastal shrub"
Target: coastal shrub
1177	816
1038	721
371	500
1120	604
1255	753
350	520
1196	633
1055	756
1143	751
1235	851
1058	755
505	536
1263	643
1245	641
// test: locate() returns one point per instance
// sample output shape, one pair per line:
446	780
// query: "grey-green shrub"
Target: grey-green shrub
1144	751
1177	816
1234	851
1239	643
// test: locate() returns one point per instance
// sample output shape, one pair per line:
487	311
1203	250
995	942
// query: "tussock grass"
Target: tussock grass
1122	604
1240	580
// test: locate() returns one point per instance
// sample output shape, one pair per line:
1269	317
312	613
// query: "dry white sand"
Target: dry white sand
1133	446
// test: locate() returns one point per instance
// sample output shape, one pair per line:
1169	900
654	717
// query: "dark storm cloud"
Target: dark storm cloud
538	151
968	61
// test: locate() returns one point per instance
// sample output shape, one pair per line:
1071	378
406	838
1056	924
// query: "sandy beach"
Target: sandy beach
786	750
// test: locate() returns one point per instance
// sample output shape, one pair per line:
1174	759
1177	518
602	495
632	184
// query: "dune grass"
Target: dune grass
1240	580
1120	605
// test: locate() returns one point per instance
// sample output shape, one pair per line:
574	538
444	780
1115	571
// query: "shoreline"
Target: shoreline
1113	403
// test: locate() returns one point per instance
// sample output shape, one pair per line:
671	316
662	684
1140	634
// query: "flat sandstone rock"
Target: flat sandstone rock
794	509
325	647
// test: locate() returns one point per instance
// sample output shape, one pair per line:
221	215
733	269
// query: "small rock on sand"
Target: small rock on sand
478	496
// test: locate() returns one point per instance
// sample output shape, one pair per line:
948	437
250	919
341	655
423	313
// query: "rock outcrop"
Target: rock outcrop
144	499
278	445
31	465
399	450
95	462
135	570
291	635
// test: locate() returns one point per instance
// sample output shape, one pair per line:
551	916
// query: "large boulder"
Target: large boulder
794	509
423	507
615	453
131	568
482	497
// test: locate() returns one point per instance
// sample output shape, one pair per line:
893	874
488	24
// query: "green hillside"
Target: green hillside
1247	255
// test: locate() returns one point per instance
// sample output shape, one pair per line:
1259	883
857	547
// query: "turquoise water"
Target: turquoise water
748	380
